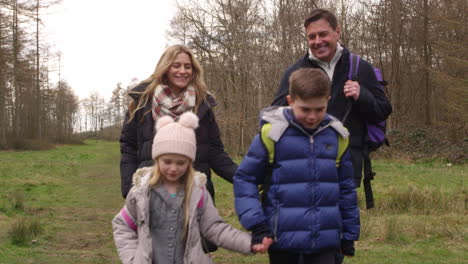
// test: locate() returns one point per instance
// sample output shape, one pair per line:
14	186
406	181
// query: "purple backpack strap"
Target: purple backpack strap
202	199
354	61
129	220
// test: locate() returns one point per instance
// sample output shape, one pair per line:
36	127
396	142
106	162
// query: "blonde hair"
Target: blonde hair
159	77
186	180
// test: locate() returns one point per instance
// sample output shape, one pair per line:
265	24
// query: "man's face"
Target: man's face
309	112
322	39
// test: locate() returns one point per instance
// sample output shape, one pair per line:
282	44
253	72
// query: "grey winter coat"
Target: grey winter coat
135	247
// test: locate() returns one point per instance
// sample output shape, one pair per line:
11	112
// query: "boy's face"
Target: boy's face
309	112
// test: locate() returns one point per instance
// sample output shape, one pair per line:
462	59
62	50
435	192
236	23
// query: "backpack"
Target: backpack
269	145
376	132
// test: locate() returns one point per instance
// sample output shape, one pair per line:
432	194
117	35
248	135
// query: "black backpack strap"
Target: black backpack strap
368	177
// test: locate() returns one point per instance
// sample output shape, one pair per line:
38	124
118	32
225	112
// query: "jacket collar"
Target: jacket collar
328	67
281	118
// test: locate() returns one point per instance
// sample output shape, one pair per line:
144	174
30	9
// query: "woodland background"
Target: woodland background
244	47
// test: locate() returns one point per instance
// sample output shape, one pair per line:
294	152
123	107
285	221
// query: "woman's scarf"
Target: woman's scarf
165	102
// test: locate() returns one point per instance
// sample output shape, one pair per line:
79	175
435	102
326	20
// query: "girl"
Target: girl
168	208
176	86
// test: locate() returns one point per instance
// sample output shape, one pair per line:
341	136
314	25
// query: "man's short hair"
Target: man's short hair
320	13
306	83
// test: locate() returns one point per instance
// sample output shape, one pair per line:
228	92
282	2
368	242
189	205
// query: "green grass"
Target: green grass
64	199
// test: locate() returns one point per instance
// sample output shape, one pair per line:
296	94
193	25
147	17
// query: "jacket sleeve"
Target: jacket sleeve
128	152
249	175
348	199
283	90
125	231
219	160
372	101
216	230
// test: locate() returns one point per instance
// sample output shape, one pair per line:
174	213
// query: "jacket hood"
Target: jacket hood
136	92
280	118
141	177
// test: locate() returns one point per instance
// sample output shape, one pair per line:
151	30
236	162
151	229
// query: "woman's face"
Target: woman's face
180	74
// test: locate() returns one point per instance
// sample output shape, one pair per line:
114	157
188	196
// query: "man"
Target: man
364	98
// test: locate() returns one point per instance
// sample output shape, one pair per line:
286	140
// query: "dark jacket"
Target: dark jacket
372	105
311	203
136	142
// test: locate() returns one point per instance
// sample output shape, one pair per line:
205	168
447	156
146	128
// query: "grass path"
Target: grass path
75	192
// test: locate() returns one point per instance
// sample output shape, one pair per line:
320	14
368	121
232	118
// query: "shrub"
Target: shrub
429	201
24	230
31	144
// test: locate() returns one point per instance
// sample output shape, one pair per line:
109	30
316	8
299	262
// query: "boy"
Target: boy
310	205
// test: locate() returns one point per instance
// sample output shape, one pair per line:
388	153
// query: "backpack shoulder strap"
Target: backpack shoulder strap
343	138
354	61
201	202
268	142
343	143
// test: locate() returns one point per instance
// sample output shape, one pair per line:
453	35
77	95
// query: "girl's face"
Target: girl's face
180	72
173	167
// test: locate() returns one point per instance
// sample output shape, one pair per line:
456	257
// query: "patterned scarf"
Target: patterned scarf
165	102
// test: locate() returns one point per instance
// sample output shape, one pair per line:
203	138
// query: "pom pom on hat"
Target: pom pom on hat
176	137
189	119
163	121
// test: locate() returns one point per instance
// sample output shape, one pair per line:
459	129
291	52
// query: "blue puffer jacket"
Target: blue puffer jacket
311	204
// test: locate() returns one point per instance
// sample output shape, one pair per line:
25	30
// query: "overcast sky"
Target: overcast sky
104	42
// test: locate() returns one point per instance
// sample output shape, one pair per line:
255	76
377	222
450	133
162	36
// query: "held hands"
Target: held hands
261	238
263	247
352	89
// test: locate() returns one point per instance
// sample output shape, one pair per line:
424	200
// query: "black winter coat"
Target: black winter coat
372	104
136	142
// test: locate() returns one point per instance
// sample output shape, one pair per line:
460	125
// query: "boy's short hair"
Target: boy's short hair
320	13
307	83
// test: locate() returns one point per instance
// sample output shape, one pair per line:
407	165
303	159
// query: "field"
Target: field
56	207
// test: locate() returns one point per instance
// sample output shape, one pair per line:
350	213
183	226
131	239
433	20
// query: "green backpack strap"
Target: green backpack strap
268	142
343	143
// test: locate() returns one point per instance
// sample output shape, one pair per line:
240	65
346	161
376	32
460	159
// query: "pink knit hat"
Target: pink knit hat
176	137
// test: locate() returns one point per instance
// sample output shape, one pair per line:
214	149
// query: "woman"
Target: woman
177	85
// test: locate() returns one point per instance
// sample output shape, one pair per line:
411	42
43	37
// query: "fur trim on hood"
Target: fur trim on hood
142	176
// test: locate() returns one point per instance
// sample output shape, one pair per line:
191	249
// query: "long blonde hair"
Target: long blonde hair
159	77
186	180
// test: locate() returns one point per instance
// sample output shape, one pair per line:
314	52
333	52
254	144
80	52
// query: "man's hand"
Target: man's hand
352	89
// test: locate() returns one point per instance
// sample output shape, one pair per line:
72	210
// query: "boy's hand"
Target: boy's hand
347	247
263	247
259	232
352	89
261	238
